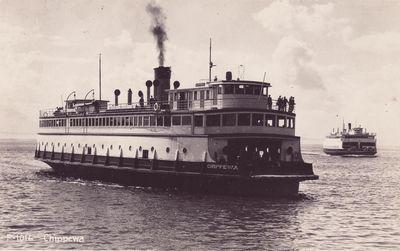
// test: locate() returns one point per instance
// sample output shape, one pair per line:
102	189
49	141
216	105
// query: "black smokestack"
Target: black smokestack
162	77
158	29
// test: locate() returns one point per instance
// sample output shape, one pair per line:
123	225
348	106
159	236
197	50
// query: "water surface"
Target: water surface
355	205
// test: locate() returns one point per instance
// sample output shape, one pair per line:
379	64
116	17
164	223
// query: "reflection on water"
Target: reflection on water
353	205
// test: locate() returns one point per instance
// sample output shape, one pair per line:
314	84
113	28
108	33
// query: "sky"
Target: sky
340	59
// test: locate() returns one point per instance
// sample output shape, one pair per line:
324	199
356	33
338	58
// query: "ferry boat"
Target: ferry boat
351	142
221	136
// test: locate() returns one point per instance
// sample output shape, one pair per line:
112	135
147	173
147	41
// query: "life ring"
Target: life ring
156	107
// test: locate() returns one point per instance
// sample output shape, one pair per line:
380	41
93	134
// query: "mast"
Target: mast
211	65
100	76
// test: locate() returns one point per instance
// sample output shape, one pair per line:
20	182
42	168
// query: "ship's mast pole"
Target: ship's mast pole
211	65
100	76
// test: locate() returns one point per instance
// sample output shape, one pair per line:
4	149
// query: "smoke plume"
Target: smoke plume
158	29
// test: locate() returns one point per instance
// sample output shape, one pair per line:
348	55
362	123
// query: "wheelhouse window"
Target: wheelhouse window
229	119
269	120
249	89
265	91
281	121
243	119
239	89
290	122
198	120
228	89
258	119
257	90
213	120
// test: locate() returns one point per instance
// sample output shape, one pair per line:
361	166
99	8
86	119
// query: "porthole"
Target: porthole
65	144
58	144
152	148
167	149
119	147
130	148
85	145
72	145
111	147
289	150
184	150
79	145
94	145
140	148
102	146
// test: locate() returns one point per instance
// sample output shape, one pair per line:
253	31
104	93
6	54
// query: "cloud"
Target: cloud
124	40
385	42
283	17
294	64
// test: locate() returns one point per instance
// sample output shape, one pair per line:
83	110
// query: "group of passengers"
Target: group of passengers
249	155
283	104
152	101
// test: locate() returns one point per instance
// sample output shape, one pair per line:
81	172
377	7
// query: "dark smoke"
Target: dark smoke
158	29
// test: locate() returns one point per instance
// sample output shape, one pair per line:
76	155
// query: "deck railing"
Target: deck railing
159	106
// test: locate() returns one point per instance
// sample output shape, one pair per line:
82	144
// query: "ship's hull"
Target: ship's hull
185	176
353	146
348	152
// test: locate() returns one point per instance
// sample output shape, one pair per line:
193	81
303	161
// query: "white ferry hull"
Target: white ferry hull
335	146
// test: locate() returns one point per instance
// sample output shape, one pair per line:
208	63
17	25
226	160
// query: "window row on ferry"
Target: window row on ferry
221	89
211	120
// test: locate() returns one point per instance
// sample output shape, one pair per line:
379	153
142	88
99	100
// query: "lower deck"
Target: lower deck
243	168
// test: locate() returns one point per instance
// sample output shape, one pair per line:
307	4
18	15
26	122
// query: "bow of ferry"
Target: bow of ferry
220	136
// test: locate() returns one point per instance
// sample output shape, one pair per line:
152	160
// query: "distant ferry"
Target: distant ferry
219	136
351	142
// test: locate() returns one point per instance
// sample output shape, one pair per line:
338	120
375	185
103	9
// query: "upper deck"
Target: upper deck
216	107
352	133
221	95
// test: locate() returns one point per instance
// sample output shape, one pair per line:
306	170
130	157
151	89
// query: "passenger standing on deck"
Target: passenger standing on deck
279	103
291	104
284	102
152	101
269	102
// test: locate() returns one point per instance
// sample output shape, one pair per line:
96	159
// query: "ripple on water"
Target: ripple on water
354	205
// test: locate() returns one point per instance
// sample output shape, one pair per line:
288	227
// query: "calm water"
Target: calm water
355	205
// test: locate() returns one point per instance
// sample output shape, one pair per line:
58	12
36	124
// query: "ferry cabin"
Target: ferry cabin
222	122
